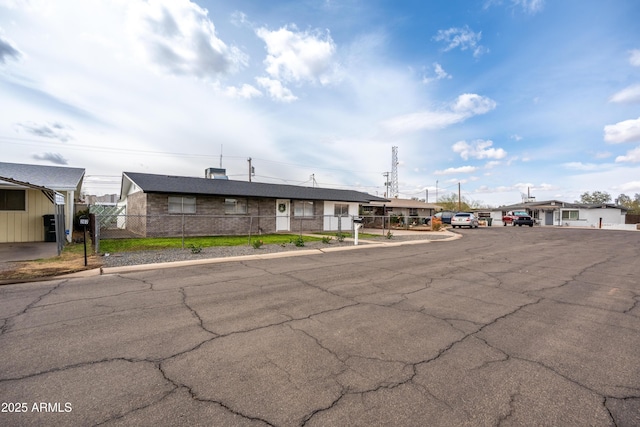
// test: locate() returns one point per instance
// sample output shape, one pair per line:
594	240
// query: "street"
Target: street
505	326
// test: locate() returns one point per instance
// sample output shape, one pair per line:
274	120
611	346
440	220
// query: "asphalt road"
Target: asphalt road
506	326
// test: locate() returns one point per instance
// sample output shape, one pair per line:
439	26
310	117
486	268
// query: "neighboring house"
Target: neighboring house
231	207
28	192
559	213
413	211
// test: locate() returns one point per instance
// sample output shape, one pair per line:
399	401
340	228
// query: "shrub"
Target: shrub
195	249
389	235
257	244
340	237
327	239
436	224
298	241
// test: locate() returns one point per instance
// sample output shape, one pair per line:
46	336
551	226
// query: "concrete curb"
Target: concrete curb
158	266
369	244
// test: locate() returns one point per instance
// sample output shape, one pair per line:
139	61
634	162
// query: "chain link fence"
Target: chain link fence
114	225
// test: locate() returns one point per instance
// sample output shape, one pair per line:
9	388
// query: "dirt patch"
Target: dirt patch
64	264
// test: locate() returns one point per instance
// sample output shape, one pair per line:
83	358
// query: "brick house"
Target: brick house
165	205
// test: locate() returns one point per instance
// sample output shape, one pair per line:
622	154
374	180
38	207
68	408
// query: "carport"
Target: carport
58	213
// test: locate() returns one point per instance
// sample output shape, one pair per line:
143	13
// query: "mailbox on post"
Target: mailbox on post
357	224
84	221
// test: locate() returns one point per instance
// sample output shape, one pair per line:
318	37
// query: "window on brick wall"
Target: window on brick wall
13	200
235	206
302	208
180	205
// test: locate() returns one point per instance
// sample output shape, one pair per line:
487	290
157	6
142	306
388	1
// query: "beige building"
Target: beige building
28	193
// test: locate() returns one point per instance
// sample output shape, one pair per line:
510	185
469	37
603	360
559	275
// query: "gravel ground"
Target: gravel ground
170	255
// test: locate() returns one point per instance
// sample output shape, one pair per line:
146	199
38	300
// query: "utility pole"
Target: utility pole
250	168
427	199
436	191
394	172
386	183
459	201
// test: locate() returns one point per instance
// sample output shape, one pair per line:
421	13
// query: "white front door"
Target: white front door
283	215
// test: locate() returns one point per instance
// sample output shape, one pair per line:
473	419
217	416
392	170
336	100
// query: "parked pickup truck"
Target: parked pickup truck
519	218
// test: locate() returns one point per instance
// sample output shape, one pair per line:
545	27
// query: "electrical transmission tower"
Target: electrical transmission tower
394	172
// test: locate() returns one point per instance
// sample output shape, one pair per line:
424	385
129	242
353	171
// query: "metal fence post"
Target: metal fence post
97	234
183	231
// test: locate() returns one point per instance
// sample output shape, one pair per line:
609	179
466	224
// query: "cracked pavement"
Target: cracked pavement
504	327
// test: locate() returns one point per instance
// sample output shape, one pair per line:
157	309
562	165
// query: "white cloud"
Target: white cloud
633	156
464	107
440	74
276	90
602	155
479	149
178	36
245	91
54	130
55	158
516	137
627	95
632	186
471	104
530	6
625	131
8	50
634	57
461	169
463	38
298	56
582	166
527	187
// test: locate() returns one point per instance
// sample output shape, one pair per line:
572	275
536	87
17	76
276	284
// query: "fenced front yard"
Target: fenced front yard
120	226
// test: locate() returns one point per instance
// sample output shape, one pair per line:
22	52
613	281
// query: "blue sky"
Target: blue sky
504	97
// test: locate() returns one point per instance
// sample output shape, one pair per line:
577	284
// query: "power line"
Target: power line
84	147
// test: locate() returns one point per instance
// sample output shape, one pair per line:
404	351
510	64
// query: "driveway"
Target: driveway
506	326
28	251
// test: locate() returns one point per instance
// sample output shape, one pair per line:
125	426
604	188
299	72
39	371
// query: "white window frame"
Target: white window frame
569	215
235	206
181	204
303	208
341	209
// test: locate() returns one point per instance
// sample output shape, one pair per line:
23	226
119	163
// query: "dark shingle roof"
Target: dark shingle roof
53	177
150	183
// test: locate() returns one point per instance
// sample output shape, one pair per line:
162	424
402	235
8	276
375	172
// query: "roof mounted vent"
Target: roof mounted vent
215	173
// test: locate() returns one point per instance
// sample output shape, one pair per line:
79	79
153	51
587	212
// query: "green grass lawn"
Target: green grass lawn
151	243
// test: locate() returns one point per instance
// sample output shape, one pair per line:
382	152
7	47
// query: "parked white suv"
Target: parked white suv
464	219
